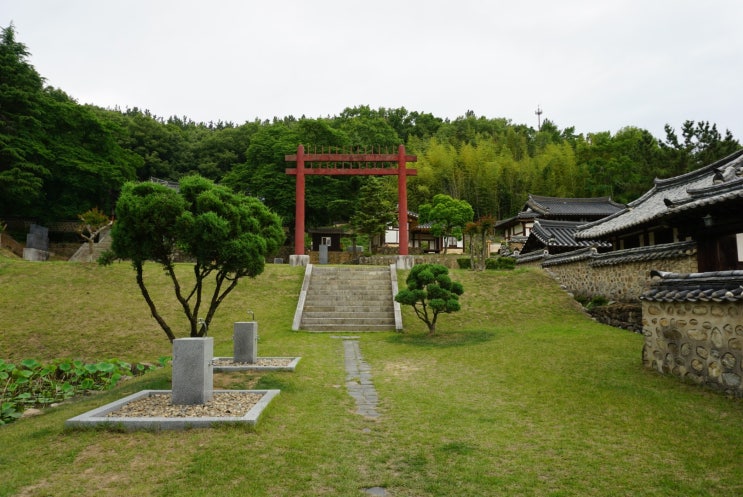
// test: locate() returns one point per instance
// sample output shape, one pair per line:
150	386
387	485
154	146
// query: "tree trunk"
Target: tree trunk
151	304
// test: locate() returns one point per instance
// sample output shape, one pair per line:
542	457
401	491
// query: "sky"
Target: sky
595	65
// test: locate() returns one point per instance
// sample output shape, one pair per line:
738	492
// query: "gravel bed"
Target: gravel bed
275	362
223	404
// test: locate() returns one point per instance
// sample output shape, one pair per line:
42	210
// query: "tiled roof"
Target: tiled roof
572	207
649	253
421	226
552	233
537	255
638	254
722	286
512	221
568	257
539	206
718	182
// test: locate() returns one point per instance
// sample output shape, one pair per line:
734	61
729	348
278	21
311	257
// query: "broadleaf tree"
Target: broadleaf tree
375	211
431	292
448	216
228	236
92	223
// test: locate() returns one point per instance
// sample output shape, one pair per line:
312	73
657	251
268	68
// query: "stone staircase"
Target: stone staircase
83	254
348	298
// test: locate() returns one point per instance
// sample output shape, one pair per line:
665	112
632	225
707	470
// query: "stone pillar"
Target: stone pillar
193	373
323	254
245	338
299	260
405	262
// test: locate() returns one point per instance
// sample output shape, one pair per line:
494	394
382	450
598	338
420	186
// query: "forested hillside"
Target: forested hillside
59	158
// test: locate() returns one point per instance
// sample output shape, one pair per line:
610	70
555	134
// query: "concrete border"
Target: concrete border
302	296
255	367
98	417
395	303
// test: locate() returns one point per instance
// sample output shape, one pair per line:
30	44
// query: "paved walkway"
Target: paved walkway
359	379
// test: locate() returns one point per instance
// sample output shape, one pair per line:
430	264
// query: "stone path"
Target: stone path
360	387
359	379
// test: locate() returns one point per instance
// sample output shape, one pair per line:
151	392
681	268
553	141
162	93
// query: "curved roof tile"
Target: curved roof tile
721	286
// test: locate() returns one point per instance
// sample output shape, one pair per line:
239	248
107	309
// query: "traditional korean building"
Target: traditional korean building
679	262
551	236
704	206
516	229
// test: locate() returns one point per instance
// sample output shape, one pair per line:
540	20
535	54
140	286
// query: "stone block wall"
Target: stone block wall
621	282
385	260
693	327
620	315
698	342
622	275
333	257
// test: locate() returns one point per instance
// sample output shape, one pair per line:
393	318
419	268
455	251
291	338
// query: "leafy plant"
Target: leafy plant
430	291
33	384
92	222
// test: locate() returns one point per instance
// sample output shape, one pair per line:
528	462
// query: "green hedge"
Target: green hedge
499	263
464	263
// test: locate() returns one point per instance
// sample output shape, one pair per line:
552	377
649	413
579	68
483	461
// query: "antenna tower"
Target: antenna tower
538	112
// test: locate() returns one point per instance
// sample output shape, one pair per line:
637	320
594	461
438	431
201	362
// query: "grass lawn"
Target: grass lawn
519	394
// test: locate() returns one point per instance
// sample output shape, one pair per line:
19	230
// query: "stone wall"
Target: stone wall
620	315
693	327
622	275
385	260
333	257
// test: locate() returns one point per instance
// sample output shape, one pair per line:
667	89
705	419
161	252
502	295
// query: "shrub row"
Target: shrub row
498	263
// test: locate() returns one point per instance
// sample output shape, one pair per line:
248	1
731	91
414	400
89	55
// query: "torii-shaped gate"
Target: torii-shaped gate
358	164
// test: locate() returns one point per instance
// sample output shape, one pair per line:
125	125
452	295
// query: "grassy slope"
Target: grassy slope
520	394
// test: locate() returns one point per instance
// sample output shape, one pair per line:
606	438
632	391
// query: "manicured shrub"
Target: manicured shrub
464	263
500	263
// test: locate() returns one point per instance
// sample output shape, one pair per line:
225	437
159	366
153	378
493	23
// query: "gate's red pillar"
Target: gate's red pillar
299	212
402	201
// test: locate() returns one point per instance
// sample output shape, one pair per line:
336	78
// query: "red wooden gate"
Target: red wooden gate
356	164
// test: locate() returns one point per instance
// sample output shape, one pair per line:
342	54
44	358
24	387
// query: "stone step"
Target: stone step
350	294
347	282
353	298
345	314
349	303
329	294
351	276
348	321
320	268
363	308
350	281
346	327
